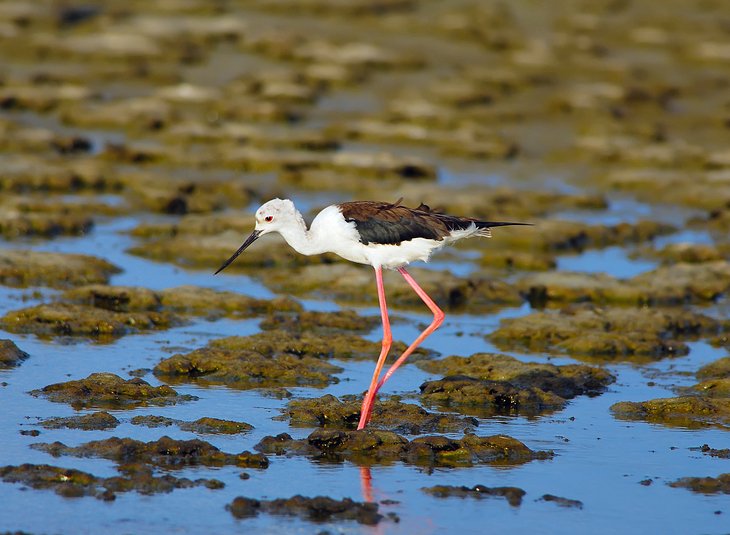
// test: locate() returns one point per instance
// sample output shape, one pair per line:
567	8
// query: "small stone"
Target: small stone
10	354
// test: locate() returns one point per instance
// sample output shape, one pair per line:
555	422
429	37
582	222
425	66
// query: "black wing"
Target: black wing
391	224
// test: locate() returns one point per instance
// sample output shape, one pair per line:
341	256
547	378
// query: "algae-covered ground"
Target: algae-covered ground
581	379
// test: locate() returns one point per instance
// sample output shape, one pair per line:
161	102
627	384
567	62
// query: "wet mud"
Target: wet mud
93	421
164	452
205	425
135	143
70	483
484	398
608	333
704	404
562	502
386	447
107	390
566	381
391	415
23	268
317	509
273	358
239	362
513	495
705	485
63	319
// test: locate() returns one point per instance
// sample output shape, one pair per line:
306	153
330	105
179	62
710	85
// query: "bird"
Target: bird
383	235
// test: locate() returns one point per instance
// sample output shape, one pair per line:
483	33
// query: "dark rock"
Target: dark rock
712	452
317	509
153	421
242	507
10	354
513	495
562	502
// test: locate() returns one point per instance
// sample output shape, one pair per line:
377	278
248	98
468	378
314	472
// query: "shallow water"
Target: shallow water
599	460
614	260
619	470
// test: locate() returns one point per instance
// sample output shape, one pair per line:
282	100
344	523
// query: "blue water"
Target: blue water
599	460
615	260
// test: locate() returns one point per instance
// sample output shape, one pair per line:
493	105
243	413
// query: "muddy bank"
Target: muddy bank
704	404
272	359
93	421
317	509
566	381
69	320
385	447
485	398
391	415
705	485
106	390
320	322
164	452
205	425
675	284
24	268
70	483
608	333
513	495
105	313
181	300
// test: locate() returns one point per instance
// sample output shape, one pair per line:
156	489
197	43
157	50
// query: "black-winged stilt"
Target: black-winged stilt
381	234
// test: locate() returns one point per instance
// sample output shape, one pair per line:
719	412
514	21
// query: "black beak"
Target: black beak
252	238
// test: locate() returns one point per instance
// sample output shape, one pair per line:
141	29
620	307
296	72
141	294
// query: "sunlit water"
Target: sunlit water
599	460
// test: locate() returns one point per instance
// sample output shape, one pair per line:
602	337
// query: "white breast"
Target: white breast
335	235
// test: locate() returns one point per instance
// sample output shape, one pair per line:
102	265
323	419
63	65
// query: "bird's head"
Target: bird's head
274	215
271	216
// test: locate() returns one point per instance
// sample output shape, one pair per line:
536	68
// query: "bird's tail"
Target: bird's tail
484	227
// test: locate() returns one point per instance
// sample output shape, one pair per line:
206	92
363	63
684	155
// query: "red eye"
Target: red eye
269	218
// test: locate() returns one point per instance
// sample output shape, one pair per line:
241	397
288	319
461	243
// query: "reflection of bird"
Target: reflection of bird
384	235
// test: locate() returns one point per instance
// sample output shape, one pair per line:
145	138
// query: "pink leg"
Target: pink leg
438	319
367	402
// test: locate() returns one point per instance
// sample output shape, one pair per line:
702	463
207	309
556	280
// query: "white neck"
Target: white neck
300	239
